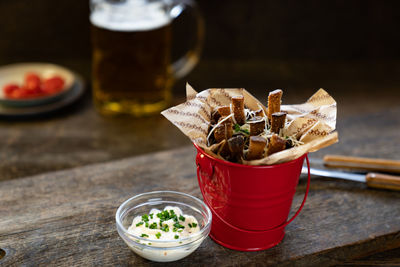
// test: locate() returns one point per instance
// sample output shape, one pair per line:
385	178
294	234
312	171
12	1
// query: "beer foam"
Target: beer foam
131	15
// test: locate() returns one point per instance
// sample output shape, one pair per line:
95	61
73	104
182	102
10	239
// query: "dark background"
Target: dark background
252	44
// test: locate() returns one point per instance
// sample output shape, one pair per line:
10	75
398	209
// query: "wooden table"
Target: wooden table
63	177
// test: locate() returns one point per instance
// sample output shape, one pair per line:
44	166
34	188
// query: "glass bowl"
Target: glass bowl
163	250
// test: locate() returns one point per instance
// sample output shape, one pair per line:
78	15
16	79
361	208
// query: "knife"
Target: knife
374	180
362	164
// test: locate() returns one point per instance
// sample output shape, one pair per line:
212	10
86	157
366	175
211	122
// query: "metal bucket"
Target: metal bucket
250	204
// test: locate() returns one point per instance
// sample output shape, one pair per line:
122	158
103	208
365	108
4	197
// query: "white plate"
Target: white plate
76	91
15	73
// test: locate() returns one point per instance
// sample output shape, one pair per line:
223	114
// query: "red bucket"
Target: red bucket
250	204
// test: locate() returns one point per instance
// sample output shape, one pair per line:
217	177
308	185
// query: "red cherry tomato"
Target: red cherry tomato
9	88
32	82
34	87
53	85
20	93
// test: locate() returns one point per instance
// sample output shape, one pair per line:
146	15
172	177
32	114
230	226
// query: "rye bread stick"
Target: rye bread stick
257	125
224	111
277	121
274	102
224	130
275	144
236	145
238	109
256	148
218	112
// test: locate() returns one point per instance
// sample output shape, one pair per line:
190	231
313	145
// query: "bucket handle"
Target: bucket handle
264	231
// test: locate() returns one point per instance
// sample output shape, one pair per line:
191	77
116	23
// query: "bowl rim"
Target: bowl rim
192	238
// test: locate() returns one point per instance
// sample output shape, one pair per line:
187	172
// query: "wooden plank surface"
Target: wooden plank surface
78	136
66	218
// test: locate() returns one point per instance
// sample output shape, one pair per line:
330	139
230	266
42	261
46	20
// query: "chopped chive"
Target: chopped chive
165	228
180	231
147	224
153	225
149	244
180	242
176	236
178	225
182	218
144	235
245	131
158	235
194	225
190	225
145	217
174	230
151	215
139	224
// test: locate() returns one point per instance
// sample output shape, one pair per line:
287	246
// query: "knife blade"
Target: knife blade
375	180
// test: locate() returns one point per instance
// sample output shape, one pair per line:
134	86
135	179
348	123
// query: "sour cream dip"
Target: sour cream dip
165	235
169	224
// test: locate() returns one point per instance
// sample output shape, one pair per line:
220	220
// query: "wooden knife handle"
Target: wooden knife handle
362	164
378	180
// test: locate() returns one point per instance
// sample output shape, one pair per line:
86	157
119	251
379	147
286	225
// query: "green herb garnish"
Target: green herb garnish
238	129
147	224
245	131
139	224
151	215
182	218
165	228
158	235
174	229
144	235
192	225
164	215
153	225
145	217
178	225
149	244
176	236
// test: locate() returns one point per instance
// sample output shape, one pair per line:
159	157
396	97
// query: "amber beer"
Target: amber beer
131	64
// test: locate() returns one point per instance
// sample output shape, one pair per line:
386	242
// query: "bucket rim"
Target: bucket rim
199	149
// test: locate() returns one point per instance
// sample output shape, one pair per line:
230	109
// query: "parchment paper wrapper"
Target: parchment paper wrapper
312	122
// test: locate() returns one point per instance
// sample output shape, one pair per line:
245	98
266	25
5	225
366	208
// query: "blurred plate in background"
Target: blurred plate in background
71	95
15	73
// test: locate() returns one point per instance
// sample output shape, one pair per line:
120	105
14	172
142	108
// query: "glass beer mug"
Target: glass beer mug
132	70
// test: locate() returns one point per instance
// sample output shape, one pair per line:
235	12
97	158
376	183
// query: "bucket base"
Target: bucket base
244	240
246	248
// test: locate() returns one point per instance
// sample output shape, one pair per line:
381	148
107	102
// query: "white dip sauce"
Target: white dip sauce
167	225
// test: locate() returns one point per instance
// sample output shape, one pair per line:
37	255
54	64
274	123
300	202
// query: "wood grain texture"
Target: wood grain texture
66	218
362	164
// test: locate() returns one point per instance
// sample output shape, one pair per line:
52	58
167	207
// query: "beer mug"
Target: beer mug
132	70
